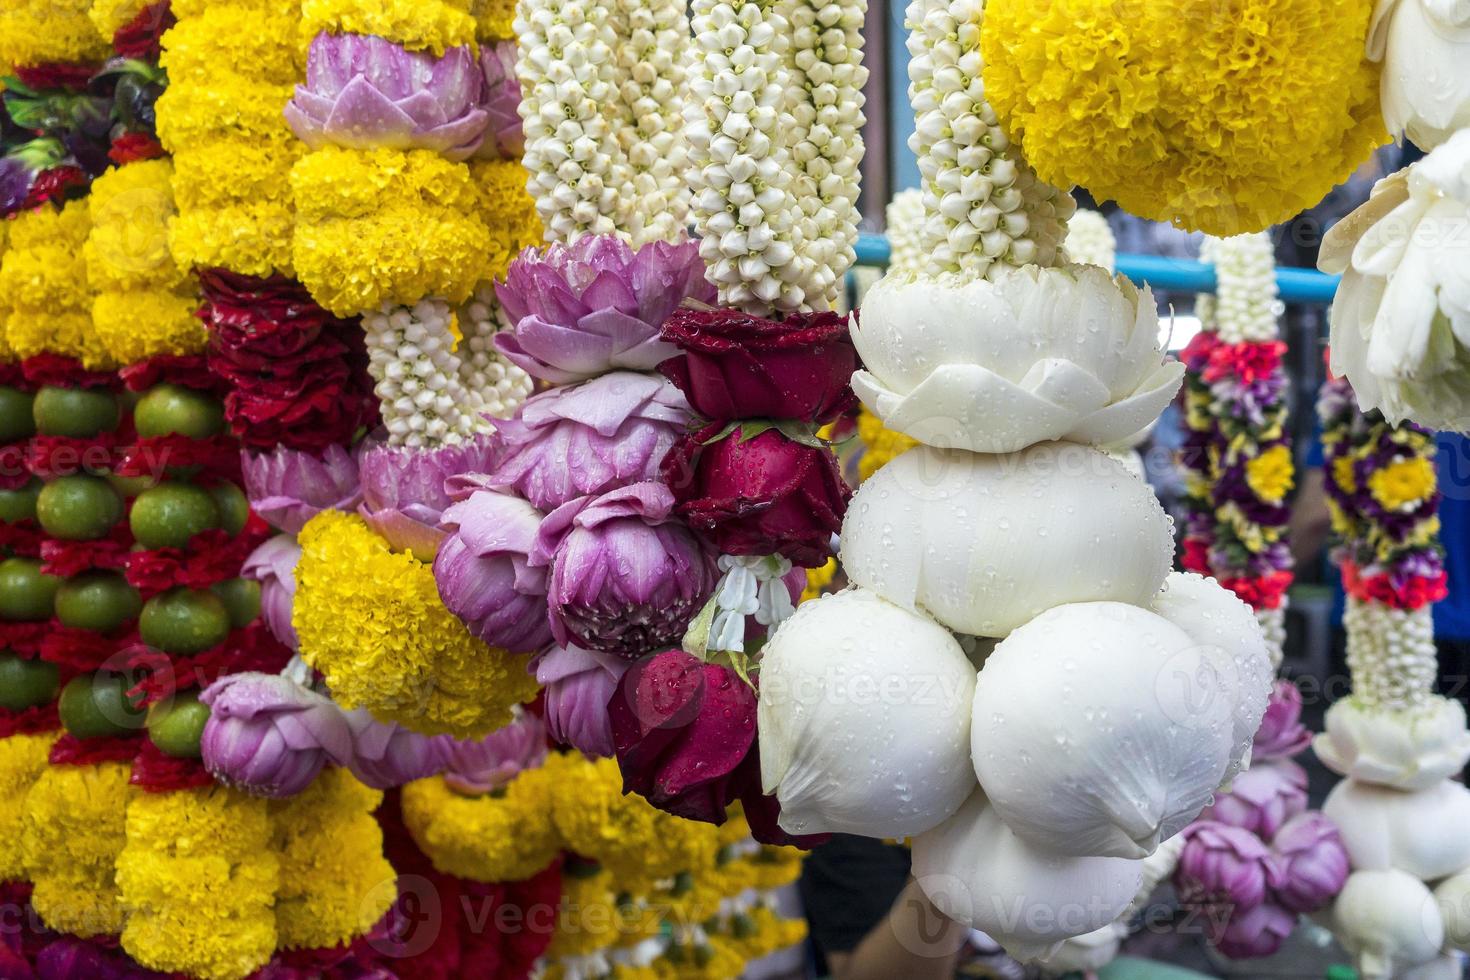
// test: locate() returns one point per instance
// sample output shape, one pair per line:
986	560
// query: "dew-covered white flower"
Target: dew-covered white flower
493	385
1425	47
417	375
1421	832
1389	922
976	870
1401	318
1408	746
1100	729
1090	240
984	543
903	219
1245	305
864	718
995	366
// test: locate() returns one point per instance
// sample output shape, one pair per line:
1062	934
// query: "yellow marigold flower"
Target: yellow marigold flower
108	15
818	579
230	106
73	833
371	620
775	867
33	32
138	324
1402	483
221	173
487	838
384	226
590	916
495	19
43	278
508	210
198	878
263	46
1342	474
22	760
415	24
253	237
883	445
1270	475
1224	118
335	882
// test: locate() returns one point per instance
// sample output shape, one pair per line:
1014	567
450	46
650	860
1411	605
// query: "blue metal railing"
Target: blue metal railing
1164	274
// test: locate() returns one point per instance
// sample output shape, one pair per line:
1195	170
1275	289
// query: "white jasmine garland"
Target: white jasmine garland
417	376
493	385
1273	628
1246	303
568	74
1390	653
1090	240
904	218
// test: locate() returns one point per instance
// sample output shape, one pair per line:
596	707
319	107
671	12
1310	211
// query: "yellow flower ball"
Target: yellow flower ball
508	210
34	32
505	837
415	24
73	833
224	172
1403	483
22	760
883	445
1225	118
108	15
229	106
1271	475
262	46
253	237
370	619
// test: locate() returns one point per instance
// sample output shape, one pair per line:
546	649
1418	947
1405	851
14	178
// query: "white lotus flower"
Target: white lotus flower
984	543
1388	920
1093	734
1420	832
1424	46
1453	898
1238	667
1401	319
1089	952
864	718
1030	356
976	871
1410	748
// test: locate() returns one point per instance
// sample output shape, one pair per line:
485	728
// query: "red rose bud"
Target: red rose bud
681	730
738	366
758	496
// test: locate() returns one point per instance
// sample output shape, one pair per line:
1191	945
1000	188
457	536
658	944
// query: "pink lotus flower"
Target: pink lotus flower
1282	733
288	487
577	685
273	565
504	138
486	764
403	490
385	754
1311	862
1222	865
1254	933
269	736
1262	798
484	573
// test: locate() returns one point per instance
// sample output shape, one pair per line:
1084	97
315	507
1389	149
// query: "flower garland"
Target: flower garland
1237	452
1090	240
904	220
44	277
39	32
23	758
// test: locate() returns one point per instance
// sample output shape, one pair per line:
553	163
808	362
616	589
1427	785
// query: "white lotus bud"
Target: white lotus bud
1389	921
1420	832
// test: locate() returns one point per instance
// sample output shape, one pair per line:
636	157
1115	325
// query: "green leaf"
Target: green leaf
696	637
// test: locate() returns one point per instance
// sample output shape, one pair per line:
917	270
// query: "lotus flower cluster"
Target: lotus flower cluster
288	487
364	92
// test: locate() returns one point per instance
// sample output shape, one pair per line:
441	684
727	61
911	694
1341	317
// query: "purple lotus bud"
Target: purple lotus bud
385	754
504	139
273	565
594	306
1282	733
626	576
607	433
288	487
484	573
486	764
577	685
1222	865
1262	798
403	492
1253	933
1311	862
269	736
365	92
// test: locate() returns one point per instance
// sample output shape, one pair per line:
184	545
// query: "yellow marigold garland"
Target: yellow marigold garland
22	760
415	24
506	837
34	32
44	280
507	209
495	19
73	833
145	303
335	882
383	226
198	877
590	916
108	15
233	34
370	619
1225	118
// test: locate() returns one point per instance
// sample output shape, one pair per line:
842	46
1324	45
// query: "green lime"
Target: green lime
241	597
131	486
19	505
97	706
175	728
98	601
184	621
76	412
234	507
25	683
26	593
79	507
168	515
16	420
173	410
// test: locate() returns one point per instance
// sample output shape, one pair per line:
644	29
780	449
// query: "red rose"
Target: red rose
681	730
738	366
758	496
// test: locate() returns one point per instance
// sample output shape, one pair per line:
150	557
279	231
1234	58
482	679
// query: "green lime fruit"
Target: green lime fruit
16	420
234	507
174	410
19	504
98	706
176	728
76	412
168	515
241	597
129	487
184	621
97	601
26	594
26	683
79	507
